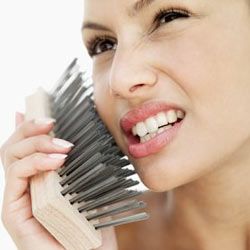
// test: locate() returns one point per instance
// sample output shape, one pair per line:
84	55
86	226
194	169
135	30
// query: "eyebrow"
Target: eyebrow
132	11
94	26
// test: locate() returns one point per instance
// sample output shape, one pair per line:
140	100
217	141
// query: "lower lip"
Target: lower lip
154	145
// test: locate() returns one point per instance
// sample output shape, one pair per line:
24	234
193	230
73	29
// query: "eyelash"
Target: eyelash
92	43
171	13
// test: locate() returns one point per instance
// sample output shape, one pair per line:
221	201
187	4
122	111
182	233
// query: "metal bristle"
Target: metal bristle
107	185
110	198
95	173
134	204
66	75
121	221
94	160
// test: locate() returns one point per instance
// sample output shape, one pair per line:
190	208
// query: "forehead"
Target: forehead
116	2
130	7
116	10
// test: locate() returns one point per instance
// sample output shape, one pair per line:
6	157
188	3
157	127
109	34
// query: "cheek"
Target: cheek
213	73
217	126
107	108
103	103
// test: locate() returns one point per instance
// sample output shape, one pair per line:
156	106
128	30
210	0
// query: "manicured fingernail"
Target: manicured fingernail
44	121
62	143
57	156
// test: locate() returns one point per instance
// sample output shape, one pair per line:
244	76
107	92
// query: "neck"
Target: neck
214	208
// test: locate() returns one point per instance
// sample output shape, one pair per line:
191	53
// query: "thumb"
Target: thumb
19	118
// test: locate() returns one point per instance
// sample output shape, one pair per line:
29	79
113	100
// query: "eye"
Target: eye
164	16
100	44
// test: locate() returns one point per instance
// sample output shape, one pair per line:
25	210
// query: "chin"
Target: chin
158	177
162	174
163	182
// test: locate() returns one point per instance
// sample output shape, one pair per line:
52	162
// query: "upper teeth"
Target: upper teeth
152	124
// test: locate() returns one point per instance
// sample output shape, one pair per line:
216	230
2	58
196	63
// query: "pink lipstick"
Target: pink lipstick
155	144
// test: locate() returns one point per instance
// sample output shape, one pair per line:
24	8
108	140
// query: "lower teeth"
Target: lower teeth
148	137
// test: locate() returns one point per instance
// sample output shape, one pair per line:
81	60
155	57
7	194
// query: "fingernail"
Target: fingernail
57	156
62	143
44	121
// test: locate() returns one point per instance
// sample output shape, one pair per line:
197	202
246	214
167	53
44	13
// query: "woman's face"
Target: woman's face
160	58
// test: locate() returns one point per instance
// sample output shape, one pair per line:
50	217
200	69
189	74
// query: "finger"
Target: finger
31	145
19	173
28	129
19	118
32	128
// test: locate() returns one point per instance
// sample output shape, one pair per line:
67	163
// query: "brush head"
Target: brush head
95	174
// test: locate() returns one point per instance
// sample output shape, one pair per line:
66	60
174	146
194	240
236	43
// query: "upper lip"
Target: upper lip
143	112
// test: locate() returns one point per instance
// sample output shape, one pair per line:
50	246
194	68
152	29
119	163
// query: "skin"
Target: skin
203	173
26	153
205	71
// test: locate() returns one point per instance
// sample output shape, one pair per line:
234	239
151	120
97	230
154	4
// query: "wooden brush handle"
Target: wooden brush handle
49	207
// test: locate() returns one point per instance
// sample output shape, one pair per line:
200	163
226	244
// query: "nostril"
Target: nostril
132	89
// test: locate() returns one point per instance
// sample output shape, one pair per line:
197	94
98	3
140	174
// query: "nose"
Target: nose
131	76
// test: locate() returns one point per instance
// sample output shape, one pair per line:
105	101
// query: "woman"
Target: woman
189	60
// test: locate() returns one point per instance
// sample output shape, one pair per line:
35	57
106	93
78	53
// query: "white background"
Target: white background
38	39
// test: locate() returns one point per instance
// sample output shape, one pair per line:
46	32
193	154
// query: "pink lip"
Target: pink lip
137	149
142	113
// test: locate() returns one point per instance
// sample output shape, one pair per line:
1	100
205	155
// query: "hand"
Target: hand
27	152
